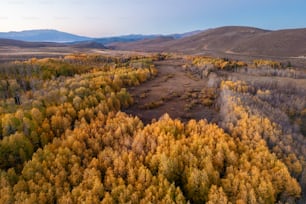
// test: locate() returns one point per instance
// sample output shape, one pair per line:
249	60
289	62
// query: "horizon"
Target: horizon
157	34
106	18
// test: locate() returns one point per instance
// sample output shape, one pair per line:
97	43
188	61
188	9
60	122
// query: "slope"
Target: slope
43	36
230	40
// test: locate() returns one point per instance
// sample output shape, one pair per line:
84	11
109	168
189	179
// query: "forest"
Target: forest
65	138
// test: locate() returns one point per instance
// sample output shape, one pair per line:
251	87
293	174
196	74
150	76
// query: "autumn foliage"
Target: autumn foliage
68	141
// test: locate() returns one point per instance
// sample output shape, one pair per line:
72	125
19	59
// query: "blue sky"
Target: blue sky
99	18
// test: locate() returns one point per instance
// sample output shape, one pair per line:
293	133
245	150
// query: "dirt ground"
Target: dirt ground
173	91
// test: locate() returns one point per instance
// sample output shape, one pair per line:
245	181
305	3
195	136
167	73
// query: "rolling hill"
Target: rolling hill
229	40
24	44
62	37
43	36
124	38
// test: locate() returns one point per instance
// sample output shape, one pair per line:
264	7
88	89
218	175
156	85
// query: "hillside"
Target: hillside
156	44
63	37
124	38
230	40
43	36
278	43
24	44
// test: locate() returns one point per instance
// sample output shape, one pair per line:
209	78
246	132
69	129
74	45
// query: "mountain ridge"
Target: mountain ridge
230	40
43	35
52	35
237	40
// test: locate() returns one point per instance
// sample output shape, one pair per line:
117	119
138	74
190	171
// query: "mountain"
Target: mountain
124	38
24	44
218	39
139	37
229	40
182	35
43	36
152	44
234	40
63	37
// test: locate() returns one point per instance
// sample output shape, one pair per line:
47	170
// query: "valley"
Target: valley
153	121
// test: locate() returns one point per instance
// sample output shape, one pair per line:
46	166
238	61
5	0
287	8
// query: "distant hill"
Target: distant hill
43	36
124	38
88	44
152	44
234	40
231	40
182	35
63	37
138	37
23	44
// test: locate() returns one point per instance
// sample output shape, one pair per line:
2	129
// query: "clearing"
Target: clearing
173	91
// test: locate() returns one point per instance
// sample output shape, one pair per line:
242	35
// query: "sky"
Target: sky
101	18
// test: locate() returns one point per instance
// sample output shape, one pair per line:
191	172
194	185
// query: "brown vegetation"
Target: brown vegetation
230	40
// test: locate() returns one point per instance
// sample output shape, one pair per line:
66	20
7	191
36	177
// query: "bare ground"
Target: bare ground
173	91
